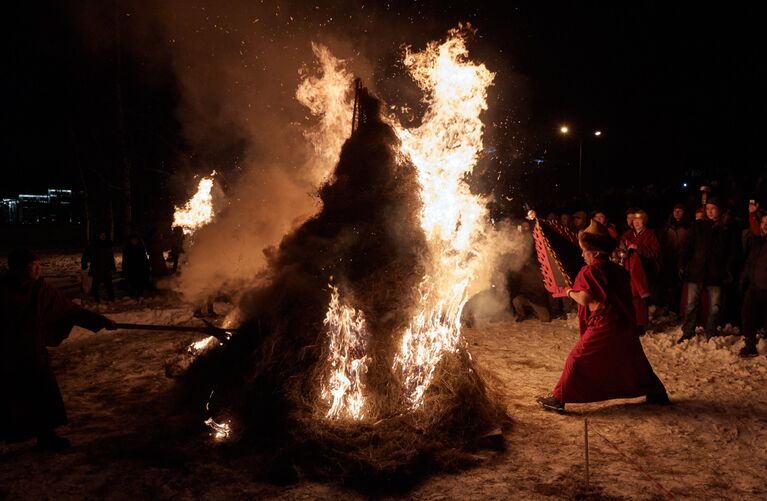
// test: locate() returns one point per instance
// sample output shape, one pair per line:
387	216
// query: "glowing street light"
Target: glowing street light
565	130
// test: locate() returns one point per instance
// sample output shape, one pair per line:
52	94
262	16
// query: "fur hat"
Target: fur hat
596	238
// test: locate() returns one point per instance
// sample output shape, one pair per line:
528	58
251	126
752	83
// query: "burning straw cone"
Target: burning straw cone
401	234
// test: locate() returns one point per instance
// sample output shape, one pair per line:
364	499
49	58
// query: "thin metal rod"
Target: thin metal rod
217	332
586	447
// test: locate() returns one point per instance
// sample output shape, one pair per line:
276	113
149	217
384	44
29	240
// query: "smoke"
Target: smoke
237	67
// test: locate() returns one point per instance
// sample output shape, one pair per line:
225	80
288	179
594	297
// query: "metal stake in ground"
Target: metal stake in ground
586	447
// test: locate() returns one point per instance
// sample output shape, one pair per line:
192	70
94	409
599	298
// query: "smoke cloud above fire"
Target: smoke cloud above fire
238	66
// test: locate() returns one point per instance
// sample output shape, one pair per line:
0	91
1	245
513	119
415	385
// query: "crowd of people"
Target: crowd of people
142	265
706	263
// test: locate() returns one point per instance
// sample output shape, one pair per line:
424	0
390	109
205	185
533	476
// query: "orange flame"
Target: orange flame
329	98
348	342
198	211
444	149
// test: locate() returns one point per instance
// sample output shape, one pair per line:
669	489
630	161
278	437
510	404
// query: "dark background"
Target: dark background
678	91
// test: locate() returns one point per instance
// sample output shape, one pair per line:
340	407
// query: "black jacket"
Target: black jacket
101	258
755	271
711	254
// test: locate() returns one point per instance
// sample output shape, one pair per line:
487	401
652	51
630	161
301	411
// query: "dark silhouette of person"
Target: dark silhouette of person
99	260
34	315
176	247
135	265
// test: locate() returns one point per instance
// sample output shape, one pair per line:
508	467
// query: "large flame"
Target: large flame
198	211
348	343
328	96
444	149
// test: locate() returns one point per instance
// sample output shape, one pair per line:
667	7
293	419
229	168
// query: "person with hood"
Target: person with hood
135	265
99	260
608	361
34	315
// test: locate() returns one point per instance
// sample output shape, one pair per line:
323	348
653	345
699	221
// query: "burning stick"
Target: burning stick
222	335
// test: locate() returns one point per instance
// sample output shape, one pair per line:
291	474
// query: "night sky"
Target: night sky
675	89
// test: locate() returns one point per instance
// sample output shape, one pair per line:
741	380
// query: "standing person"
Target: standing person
608	361
642	262
99	260
707	263
135	265
156	251
754	282
673	242
601	218
34	315
176	247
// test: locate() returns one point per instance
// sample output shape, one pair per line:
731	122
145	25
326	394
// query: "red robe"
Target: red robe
643	265
608	360
33	316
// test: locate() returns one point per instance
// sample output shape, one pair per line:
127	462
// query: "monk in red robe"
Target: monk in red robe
33	315
608	361
642	263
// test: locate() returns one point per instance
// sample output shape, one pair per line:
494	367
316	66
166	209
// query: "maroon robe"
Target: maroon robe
608	360
33	316
643	265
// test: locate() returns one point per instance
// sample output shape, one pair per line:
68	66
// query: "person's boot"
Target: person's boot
685	337
550	403
748	351
49	440
658	399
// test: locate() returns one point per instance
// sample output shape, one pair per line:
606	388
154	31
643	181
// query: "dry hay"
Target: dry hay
266	379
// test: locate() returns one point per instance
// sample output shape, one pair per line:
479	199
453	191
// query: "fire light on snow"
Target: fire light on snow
444	149
348	343
203	344
219	431
198	211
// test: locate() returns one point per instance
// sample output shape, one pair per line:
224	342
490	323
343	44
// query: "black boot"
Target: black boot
658	399
49	440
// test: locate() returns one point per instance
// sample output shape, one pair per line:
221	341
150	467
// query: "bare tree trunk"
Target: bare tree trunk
125	171
84	186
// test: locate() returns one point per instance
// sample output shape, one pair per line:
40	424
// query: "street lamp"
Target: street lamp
565	130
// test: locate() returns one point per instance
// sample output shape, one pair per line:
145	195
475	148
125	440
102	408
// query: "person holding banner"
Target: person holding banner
608	361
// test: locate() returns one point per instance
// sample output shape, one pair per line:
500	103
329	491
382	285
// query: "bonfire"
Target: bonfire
350	356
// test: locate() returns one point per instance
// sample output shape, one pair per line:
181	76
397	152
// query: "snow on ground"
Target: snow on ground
708	445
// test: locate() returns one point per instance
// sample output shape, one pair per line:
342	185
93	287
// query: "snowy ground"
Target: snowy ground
710	444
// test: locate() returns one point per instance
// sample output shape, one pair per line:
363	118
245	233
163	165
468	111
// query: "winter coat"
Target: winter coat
711	253
755	272
101	257
674	240
135	261
34	315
